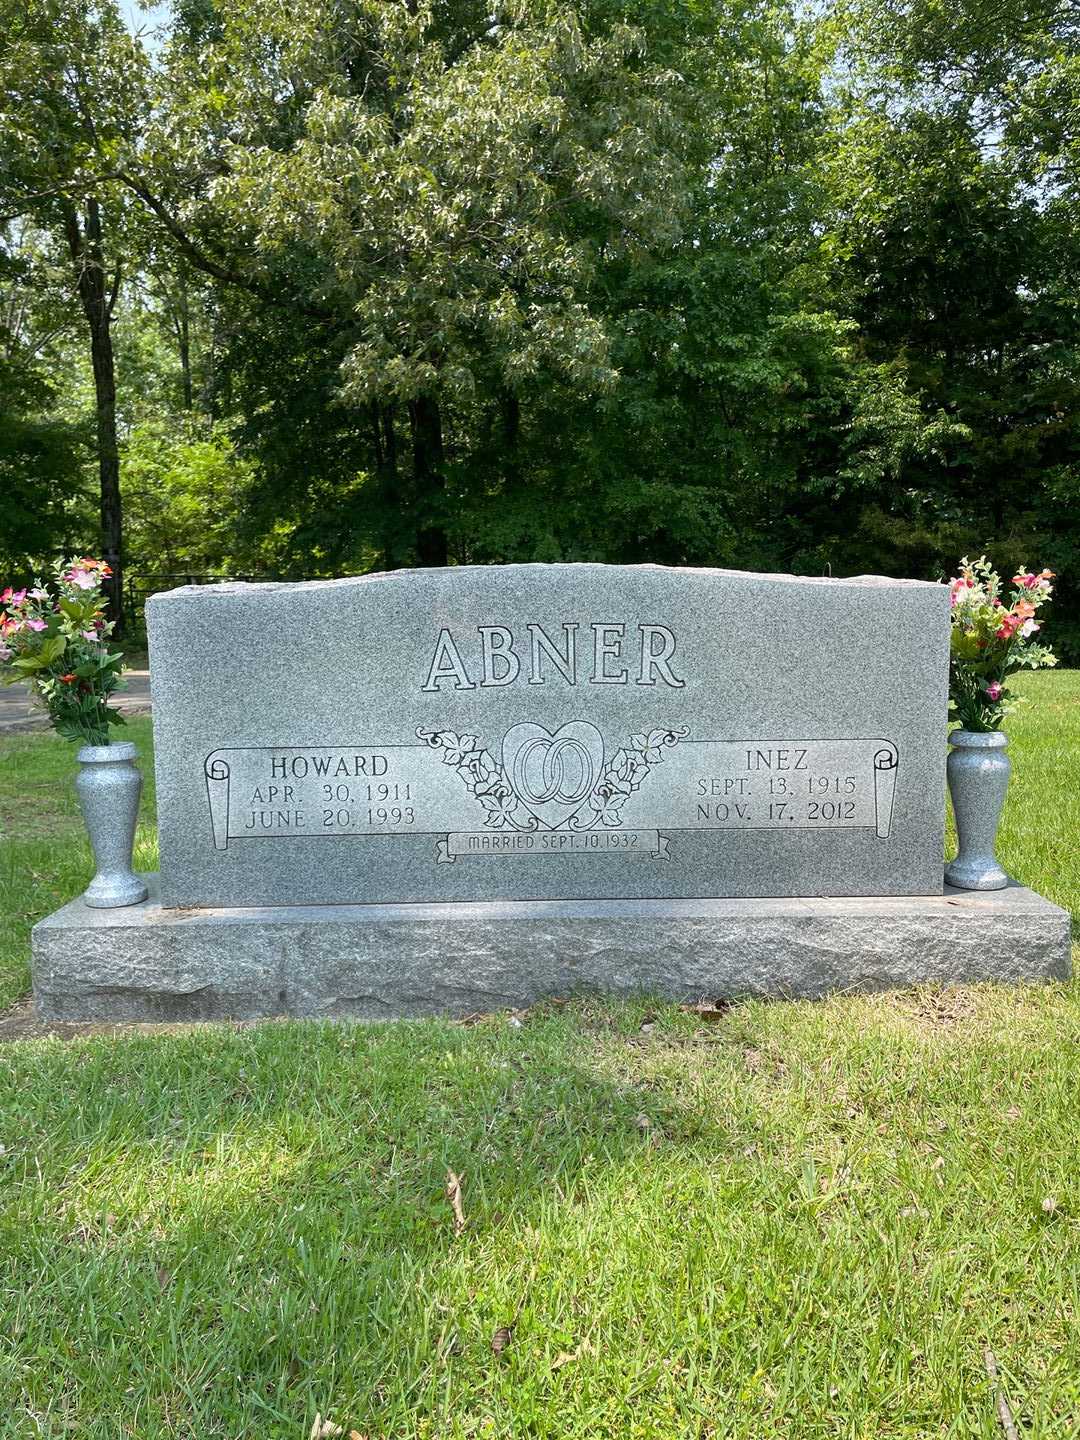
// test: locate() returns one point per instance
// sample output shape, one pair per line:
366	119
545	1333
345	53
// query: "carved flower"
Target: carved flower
478	769
630	766
655	742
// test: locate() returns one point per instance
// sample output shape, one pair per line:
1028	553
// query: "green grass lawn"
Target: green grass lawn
787	1220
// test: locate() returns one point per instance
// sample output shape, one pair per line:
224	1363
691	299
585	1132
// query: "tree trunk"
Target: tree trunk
388	482
85	246
429	480
510	412
209	396
183	339
511	419
112	524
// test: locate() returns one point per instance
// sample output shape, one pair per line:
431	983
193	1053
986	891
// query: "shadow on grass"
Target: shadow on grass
225	1231
776	1228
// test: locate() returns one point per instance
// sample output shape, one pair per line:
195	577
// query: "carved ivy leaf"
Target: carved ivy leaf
608	799
503	810
610	814
659	737
457	748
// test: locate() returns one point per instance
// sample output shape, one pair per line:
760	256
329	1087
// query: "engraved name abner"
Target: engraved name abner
607	655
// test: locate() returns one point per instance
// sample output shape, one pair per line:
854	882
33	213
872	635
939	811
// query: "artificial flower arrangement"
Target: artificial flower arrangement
55	639
991	640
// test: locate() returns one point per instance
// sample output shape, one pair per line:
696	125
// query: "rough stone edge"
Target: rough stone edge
468	572
386	962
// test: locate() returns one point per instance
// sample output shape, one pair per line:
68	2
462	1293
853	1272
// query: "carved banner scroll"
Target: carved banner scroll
777	785
217	792
542	793
539	843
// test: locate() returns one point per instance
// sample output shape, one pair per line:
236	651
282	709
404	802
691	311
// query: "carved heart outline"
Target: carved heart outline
553	773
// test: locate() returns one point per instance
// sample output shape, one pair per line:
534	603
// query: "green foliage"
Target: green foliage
760	286
958	247
183	484
438	181
40	474
990	641
43	444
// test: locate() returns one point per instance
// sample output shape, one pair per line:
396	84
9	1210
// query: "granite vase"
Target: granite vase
109	786
978	775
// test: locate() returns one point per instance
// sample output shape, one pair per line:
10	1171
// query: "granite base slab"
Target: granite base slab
146	963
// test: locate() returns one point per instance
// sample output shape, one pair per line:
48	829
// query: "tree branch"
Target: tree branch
202	261
465	45
72	231
110	304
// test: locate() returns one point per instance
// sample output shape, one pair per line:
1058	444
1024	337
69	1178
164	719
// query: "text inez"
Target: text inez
608	657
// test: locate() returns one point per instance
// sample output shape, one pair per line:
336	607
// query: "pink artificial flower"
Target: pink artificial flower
1028	580
89	634
957	589
993	690
89	563
1007	627
1028	628
37	625
38	593
82	578
17	598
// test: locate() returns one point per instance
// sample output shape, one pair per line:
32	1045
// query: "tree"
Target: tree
42	449
576	279
430	188
956	187
71	77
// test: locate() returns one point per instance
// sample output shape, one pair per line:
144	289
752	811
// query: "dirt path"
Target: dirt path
18	714
19	1022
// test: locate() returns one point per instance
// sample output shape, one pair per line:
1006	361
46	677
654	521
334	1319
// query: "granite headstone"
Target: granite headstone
549	732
